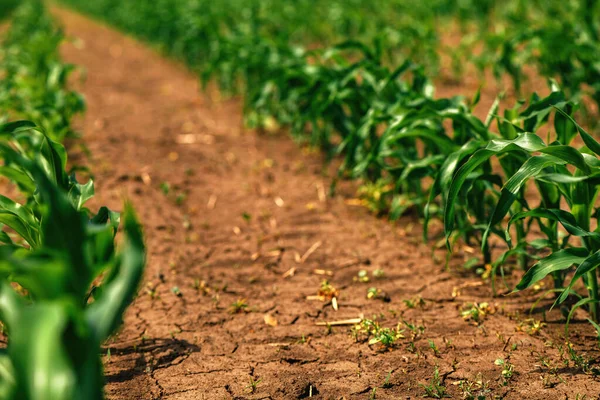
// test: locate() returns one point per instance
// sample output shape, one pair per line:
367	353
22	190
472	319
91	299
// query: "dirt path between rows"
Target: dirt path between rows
229	215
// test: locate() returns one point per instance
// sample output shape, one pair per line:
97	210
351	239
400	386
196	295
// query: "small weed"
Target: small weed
378	273
474	390
416	330
433	347
247	217
508	369
165	187
435	389
201	287
530	326
373	395
180	199
303	339
448	344
378	294
362	277
327	290
371	329
151	289
253	385
476	312
578	360
239	306
386	383
414	302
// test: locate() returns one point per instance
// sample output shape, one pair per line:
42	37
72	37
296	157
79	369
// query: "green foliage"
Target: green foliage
64	286
34	77
435	389
323	71
55	331
24	141
239	42
373	331
7	7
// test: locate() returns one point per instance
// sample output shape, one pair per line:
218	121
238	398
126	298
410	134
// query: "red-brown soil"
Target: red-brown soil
180	339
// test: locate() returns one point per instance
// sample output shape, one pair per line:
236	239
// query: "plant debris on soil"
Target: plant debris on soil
259	286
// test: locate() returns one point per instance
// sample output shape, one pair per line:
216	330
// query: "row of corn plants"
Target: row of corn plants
491	181
560	37
64	284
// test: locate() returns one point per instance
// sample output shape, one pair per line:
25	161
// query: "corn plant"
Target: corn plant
580	188
34	77
469	182
23	140
64	287
562	173
56	329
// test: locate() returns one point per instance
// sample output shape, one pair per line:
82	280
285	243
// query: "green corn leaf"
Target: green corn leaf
589	141
19	177
5	238
45	275
580	303
105	313
11	128
492	112
80	194
20	219
596	326
565	130
7	376
523	143
557	261
47	339
53	161
565	218
534	166
560	178
590	263
538	111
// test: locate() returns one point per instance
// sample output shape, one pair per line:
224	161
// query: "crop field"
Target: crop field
275	199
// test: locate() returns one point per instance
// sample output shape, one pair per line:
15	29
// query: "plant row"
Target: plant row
492	180
560	38
64	285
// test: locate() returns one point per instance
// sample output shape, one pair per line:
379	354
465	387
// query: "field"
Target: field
341	200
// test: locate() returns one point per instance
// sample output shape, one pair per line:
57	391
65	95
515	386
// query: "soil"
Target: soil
232	215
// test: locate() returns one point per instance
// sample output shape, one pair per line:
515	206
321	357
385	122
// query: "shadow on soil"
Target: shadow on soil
150	355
